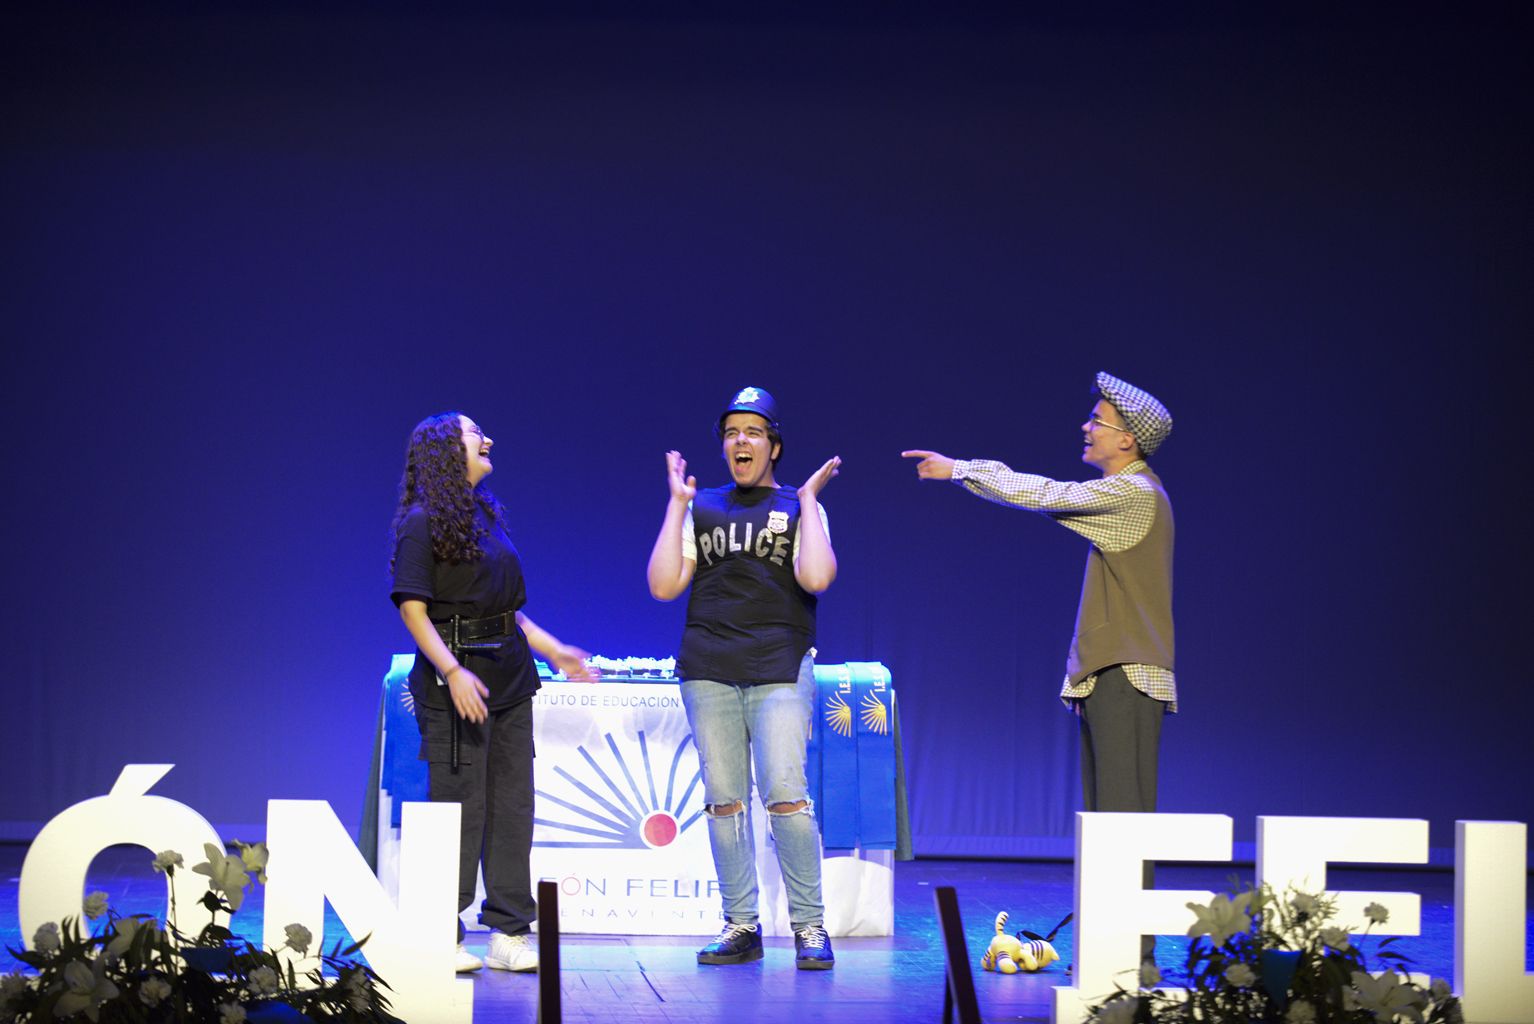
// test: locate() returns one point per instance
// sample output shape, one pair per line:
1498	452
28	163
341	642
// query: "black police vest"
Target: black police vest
748	620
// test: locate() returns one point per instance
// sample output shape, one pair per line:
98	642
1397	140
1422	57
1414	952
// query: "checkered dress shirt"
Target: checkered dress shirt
1114	513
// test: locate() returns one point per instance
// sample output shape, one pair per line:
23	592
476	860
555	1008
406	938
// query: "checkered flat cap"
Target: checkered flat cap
1148	419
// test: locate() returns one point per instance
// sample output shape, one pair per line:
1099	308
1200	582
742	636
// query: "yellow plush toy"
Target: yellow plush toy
1012	953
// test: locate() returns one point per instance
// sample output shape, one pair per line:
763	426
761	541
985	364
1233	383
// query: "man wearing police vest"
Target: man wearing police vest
755	566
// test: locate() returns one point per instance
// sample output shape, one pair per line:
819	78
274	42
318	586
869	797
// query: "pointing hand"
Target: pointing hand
932	465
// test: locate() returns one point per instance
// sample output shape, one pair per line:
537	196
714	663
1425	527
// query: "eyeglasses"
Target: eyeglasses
1110	426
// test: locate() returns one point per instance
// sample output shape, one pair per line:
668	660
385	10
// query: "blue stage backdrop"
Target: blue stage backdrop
246	248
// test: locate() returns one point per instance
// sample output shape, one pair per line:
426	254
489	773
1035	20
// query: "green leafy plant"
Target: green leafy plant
1260	958
134	970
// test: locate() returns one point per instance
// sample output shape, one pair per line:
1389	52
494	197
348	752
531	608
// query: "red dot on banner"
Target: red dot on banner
659	829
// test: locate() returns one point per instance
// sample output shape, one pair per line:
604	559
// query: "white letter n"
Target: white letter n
411	945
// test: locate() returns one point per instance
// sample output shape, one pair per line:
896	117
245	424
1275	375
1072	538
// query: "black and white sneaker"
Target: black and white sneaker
736	944
812	949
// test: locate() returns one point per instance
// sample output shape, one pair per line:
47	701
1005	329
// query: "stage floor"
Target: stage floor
651	979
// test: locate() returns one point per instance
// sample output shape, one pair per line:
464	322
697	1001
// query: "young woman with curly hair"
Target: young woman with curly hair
458	586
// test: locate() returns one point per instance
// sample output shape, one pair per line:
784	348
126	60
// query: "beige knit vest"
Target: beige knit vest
1125	617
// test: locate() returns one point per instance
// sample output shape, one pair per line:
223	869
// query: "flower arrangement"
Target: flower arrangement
1258	957
629	668
133	969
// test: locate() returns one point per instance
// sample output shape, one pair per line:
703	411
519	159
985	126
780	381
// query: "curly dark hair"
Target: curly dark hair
437	479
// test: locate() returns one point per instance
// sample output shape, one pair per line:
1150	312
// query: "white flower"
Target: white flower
254	857
77	976
1120	1011
1441	989
1386	996
11	986
299	938
1150	975
226	874
357	986
46	938
153	991
1335	938
1303	903
1239	975
1300	1012
263	981
128	928
167	861
87	987
1376	914
95	904
231	1013
1223	919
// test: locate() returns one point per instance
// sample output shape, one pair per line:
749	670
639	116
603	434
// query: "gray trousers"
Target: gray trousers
1120	741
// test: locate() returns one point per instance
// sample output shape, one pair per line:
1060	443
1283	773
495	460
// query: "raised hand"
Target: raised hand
932	465
821	477
683	487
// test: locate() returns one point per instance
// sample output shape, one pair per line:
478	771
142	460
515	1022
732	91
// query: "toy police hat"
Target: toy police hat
1147	418
753	400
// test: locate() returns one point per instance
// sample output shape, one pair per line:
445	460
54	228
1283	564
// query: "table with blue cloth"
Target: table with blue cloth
618	819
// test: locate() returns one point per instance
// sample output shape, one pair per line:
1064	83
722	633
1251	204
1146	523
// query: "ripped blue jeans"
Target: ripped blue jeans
765	726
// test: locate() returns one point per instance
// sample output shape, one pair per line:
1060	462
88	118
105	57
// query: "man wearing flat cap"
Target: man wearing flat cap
1119	673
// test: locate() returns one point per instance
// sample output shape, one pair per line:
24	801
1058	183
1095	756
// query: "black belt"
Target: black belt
461	634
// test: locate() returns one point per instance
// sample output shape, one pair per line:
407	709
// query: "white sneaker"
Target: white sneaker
464	961
512	952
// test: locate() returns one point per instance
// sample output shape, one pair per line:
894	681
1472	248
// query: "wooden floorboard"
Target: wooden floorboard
897	979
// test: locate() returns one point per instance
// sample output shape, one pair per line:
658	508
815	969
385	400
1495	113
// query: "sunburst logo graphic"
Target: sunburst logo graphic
607	807
875	716
838	715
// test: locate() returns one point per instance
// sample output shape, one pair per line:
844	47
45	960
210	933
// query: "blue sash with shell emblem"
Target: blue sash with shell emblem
874	715
851	764
837	806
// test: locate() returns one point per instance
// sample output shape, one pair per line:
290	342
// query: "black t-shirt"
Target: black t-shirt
474	590
748	620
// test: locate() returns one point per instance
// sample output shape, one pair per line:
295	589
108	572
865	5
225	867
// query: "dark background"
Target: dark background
247	247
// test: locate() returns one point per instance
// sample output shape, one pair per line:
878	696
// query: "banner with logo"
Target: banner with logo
619	825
